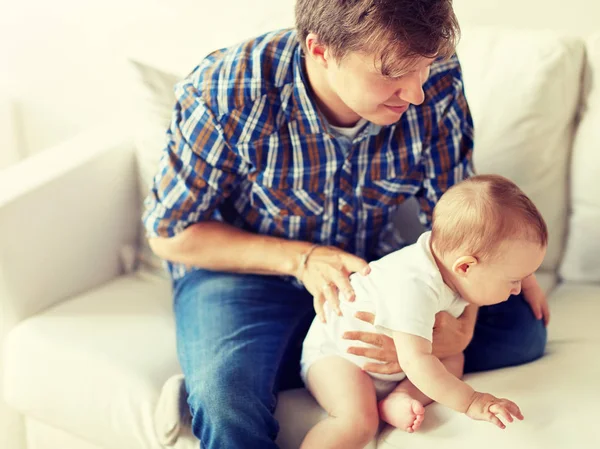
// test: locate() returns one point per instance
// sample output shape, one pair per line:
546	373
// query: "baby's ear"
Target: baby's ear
463	265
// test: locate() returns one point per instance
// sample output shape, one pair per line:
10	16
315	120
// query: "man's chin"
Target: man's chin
384	120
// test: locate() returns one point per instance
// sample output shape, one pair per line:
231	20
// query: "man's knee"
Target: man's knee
537	339
506	334
529	335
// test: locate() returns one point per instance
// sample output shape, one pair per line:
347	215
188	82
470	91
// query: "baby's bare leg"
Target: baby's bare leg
348	395
404	407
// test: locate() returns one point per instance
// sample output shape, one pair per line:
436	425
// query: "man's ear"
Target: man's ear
463	264
316	50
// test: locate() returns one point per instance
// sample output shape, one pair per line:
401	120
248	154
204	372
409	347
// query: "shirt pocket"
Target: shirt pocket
384	194
279	203
295	214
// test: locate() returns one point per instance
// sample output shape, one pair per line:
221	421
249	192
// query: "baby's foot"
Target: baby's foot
402	411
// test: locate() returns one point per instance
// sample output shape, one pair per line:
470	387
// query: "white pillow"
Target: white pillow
581	261
523	89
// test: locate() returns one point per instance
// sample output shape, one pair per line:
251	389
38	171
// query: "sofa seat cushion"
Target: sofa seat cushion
558	394
94	366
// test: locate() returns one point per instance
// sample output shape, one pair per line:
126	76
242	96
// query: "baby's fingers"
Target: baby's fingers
318	302
513	409
330	292
494	420
500	410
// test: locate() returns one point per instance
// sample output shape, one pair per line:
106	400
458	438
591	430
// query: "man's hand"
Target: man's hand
535	297
325	274
383	350
485	407
452	335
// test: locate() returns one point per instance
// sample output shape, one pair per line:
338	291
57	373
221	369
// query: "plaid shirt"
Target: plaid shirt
248	146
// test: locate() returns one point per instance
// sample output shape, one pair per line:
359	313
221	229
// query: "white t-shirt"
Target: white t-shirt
405	291
350	133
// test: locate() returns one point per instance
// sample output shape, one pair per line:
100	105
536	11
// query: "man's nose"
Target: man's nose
412	89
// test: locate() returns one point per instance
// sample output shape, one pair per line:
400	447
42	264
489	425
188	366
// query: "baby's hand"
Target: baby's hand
485	407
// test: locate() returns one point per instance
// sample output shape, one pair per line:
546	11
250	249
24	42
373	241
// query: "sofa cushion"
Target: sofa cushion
94	366
523	90
581	261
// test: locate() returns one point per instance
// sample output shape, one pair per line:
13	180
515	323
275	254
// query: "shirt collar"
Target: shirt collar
304	109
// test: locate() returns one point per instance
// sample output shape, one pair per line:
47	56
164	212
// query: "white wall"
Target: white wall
64	60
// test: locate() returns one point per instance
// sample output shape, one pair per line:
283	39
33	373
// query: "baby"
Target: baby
487	238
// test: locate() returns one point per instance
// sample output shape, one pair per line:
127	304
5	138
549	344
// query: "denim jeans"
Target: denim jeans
239	339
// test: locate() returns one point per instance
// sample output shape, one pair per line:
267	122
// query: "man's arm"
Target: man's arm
221	247
198	170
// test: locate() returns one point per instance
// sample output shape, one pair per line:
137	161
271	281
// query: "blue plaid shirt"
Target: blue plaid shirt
248	146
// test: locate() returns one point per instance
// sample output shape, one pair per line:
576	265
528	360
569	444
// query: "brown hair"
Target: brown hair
396	31
477	215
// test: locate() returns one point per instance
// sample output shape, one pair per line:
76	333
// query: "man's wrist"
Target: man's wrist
303	261
293	251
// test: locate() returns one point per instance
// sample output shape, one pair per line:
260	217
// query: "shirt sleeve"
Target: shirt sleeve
197	171
411	309
447	157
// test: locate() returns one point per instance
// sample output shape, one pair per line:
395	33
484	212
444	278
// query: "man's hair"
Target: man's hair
475	216
397	32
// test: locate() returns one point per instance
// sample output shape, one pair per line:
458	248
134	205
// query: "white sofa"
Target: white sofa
88	334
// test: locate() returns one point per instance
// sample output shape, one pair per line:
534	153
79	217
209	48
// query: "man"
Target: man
300	138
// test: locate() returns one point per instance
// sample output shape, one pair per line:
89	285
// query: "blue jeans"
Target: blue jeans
239	339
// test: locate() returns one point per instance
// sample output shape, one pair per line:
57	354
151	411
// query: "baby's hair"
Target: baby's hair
476	215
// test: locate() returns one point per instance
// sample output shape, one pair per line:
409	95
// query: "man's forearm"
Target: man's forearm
221	247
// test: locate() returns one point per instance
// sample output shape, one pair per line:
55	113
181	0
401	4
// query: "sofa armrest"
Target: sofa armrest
65	216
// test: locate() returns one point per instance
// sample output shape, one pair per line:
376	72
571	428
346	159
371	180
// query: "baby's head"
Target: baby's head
488	236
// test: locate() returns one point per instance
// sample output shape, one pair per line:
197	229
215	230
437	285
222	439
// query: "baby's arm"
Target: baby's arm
430	376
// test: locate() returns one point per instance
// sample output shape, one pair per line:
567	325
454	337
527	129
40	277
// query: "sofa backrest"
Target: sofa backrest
523	88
